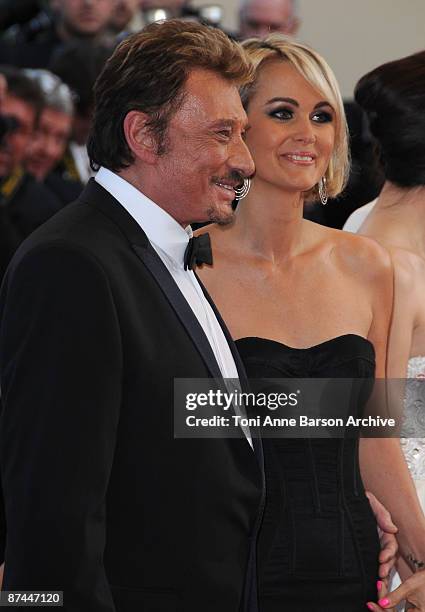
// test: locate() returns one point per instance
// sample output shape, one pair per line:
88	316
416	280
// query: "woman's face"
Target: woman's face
292	129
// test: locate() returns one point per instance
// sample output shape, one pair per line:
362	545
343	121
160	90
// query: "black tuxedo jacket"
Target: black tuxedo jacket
101	501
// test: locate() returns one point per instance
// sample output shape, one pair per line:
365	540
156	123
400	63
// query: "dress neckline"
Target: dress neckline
314	346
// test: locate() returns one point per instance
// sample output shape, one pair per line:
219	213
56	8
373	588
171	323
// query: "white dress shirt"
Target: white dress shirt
170	240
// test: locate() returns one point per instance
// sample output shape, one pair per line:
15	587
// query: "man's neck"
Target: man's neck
141	182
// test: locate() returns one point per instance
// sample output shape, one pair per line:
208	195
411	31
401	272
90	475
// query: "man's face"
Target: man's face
123	13
262	17
86	17
206	155
49	142
15	145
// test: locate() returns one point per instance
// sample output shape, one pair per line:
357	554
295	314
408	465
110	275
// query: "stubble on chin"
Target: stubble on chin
215	216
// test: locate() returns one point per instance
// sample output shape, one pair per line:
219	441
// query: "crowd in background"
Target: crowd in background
51	52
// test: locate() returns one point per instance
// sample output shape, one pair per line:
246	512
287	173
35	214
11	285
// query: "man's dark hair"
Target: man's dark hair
147	73
393	96
22	87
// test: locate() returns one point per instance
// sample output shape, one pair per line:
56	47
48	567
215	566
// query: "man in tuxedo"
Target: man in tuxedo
98	316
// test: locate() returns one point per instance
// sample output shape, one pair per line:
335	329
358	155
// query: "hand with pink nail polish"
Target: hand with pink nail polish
412	590
384	602
382	590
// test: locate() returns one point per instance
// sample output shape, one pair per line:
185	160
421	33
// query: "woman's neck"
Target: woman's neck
269	223
392	195
408	205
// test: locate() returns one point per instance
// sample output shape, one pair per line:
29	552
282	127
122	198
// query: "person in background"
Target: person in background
393	96
174	6
72	19
126	17
78	64
23	102
262	17
28	202
9	238
51	136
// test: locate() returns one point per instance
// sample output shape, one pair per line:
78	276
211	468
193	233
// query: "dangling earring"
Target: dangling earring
242	192
323	194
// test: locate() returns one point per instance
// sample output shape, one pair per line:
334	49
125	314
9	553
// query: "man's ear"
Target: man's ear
139	137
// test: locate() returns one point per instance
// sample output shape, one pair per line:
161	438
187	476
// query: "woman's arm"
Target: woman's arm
386	475
384	469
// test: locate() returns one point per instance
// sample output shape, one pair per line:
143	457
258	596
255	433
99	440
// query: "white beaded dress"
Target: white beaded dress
414	448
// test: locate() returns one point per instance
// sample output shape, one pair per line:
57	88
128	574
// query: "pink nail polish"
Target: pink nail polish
379	585
384	602
369	606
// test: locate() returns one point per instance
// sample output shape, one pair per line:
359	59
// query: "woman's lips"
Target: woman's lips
300	159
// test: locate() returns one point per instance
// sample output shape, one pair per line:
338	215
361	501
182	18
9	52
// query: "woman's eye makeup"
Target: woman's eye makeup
322	116
286	113
282	113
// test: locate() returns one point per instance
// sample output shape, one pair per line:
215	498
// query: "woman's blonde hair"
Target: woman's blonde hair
317	72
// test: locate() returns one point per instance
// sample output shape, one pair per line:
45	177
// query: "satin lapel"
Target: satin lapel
256	439
176	299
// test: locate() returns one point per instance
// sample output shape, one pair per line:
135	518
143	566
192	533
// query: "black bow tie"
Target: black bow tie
198	252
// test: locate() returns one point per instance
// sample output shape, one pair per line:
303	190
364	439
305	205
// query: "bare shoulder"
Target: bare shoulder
357	255
407	260
409	268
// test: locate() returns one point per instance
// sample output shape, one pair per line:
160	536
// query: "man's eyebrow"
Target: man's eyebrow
224	122
229	123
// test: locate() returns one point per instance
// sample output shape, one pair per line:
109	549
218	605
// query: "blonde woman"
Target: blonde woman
312	302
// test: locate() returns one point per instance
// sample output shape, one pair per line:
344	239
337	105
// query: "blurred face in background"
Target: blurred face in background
14	147
123	13
85	17
174	5
262	17
48	143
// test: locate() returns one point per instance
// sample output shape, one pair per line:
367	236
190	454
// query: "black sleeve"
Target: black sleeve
61	368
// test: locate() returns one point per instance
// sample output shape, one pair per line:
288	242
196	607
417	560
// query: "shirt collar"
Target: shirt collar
161	228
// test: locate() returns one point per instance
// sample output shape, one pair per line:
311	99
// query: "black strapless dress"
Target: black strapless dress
318	546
